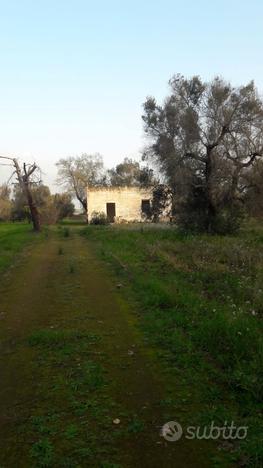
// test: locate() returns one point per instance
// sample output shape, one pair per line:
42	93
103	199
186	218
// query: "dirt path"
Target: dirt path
60	314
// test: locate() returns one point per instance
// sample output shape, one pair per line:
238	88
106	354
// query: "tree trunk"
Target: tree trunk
211	210
84	204
234	185
24	184
33	208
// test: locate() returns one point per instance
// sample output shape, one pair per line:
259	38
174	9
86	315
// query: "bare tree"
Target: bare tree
26	178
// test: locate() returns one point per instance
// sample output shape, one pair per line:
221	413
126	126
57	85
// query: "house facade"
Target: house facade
119	204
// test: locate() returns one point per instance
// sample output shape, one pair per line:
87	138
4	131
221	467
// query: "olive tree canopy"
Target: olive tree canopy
204	137
129	172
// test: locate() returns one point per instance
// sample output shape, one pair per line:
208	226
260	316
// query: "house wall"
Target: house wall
127	200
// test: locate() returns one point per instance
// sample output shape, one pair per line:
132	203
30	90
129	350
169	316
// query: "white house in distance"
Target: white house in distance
119	204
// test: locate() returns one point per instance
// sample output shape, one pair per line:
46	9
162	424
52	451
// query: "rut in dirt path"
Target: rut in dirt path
79	385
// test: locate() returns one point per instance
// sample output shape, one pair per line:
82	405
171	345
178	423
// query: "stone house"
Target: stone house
119	204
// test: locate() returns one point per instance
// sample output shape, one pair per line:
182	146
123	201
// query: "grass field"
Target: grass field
80	385
201	304
13	237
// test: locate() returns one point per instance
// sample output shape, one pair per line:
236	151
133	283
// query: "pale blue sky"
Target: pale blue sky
74	74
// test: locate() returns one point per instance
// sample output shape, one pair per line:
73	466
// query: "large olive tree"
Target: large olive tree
204	137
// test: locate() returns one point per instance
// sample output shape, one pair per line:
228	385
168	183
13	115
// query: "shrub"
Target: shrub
99	218
66	232
193	215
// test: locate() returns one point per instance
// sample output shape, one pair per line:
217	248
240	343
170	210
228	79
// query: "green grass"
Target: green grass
67	428
13	237
201	303
71	421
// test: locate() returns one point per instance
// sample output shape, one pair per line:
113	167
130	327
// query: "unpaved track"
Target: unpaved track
46	289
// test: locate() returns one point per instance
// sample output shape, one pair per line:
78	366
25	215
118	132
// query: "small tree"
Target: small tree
20	210
130	173
161	202
64	205
78	173
5	203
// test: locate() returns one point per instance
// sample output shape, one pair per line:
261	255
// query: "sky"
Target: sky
74	74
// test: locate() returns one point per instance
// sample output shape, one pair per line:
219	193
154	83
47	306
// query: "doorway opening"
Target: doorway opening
111	211
146	208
